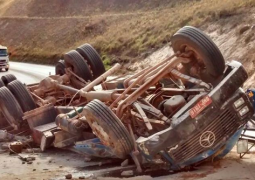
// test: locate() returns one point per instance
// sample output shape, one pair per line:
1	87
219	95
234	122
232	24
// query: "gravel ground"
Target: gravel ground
56	164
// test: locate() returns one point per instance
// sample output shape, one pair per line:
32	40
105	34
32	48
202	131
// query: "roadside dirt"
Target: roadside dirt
56	164
46	166
235	37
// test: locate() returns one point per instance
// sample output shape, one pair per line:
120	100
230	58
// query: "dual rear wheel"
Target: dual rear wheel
84	62
15	100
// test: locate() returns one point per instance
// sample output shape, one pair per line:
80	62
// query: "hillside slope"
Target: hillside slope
59	8
235	37
121	30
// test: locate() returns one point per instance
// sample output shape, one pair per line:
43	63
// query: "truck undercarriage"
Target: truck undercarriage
186	109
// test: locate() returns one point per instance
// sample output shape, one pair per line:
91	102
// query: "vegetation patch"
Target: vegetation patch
122	31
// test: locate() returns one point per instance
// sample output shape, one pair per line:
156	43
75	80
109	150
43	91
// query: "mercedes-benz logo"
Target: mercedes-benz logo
207	139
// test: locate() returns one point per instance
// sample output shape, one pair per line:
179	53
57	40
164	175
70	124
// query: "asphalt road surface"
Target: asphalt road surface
29	73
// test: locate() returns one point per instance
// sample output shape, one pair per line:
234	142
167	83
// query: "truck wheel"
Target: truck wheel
60	67
10	108
93	59
8	78
6	69
75	61
22	95
205	54
108	128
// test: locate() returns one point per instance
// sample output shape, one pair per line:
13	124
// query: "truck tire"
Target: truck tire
1	83
10	108
8	78
93	59
60	67
108	128
22	95
75	61
6	69
204	50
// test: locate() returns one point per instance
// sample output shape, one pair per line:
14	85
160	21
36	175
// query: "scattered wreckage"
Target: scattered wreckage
188	108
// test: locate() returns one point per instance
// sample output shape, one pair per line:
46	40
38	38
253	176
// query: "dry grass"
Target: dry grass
120	35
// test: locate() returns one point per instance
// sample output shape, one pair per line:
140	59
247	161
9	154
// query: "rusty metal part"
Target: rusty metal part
110	95
100	78
40	116
112	85
146	102
63	109
116	78
138	80
152	71
191	79
47	139
74	82
65	78
137	163
48	84
16	147
83	92
115	83
70	122
126	82
39	92
64	139
39	98
136	94
47	90
154	111
40	120
41	134
104	96
151	90
135	153
73	126
148	71
67	88
133	138
155	121
143	115
32	87
50	100
68	70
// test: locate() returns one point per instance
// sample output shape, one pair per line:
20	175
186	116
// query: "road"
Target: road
29	73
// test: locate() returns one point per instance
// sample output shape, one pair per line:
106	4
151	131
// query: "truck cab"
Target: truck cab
4	58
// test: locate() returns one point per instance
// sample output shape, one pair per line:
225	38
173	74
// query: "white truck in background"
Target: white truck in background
4	58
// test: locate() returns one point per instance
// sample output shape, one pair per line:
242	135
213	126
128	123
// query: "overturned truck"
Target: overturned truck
188	108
